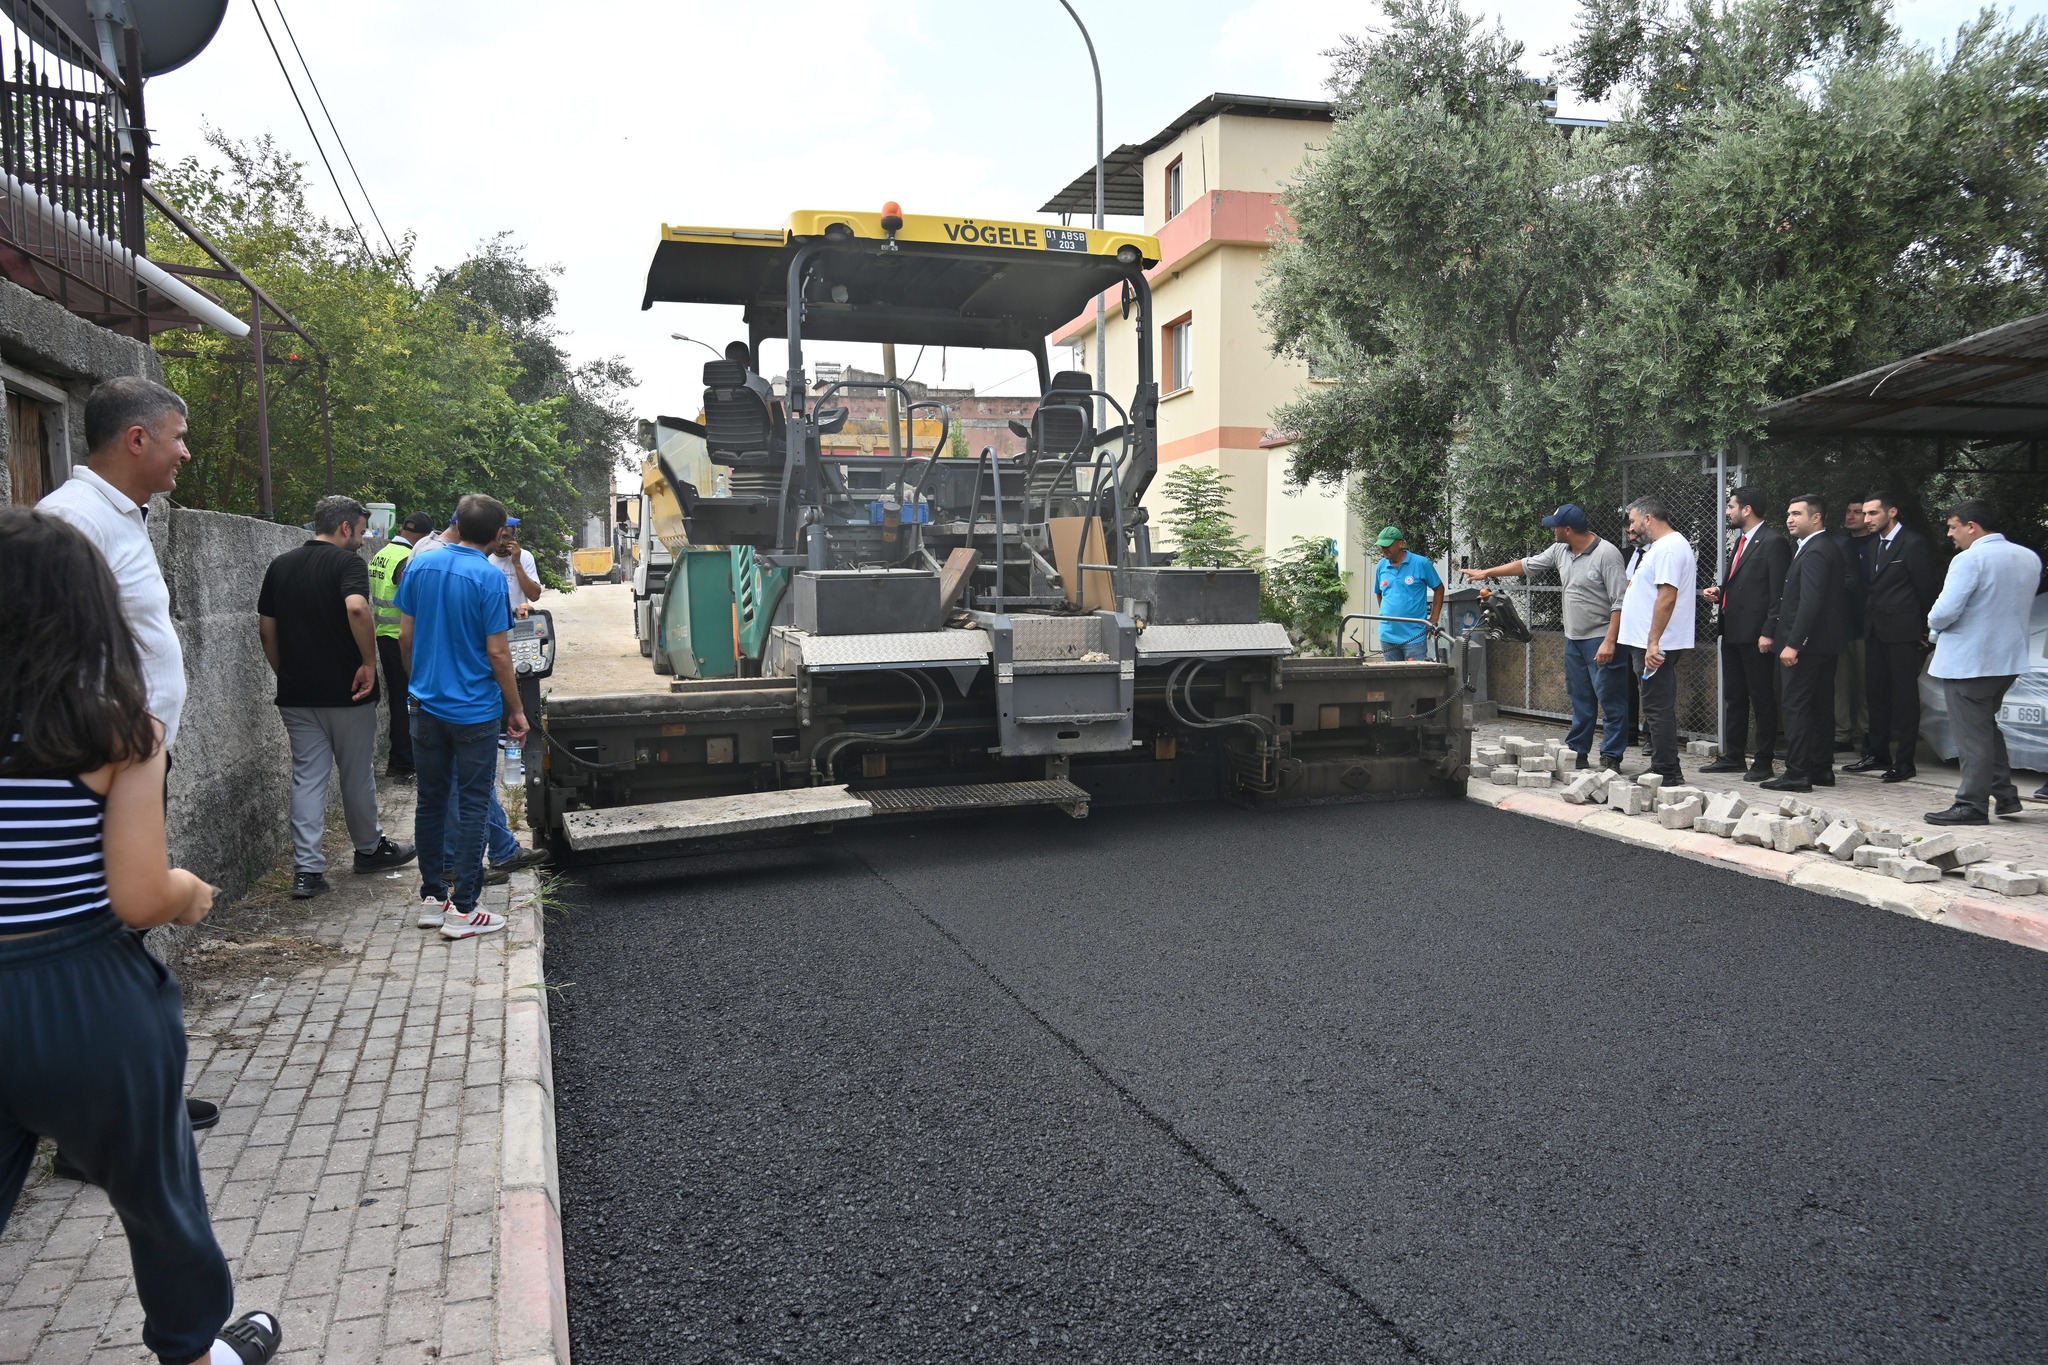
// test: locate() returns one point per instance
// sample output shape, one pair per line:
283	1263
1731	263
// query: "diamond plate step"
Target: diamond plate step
978	796
710	817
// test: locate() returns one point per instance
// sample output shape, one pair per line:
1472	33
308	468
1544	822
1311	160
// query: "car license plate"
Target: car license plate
2022	714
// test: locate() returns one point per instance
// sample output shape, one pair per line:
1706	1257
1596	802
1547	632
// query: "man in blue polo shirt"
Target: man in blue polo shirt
453	629
1403	582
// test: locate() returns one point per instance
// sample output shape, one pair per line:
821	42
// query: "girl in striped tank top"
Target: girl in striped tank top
92	1033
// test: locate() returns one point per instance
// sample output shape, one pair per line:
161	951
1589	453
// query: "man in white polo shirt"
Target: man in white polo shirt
135	431
1657	626
135	436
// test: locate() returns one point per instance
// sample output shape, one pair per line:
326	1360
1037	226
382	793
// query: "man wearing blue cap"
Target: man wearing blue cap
1402	582
1595	674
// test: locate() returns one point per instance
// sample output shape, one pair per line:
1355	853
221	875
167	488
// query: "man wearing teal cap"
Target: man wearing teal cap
1403	584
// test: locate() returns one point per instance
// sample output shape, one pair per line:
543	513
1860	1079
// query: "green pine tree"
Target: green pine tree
1204	531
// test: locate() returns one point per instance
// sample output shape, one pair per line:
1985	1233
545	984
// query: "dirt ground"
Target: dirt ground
596	654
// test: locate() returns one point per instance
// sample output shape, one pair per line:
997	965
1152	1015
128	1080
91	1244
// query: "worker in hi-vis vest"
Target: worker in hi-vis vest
387	567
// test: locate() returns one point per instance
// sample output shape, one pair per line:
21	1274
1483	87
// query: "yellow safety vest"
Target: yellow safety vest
384	586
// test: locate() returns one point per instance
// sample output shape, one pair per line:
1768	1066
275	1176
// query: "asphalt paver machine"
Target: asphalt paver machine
913	632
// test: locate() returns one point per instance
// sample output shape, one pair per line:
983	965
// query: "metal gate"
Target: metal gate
1528	680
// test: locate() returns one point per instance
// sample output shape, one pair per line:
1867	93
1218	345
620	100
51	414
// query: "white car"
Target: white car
2023	718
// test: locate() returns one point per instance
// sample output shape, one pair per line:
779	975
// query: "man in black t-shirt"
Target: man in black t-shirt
321	642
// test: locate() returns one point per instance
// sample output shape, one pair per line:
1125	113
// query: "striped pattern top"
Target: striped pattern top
53	867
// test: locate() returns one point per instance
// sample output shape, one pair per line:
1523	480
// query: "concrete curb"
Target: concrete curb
533	1296
2011	921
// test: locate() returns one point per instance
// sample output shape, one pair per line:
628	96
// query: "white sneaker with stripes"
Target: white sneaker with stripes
470	925
434	911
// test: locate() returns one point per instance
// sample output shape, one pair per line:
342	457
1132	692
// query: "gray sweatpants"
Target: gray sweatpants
340	739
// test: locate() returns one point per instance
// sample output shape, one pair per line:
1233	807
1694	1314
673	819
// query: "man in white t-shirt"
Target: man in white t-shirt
522	575
1657	626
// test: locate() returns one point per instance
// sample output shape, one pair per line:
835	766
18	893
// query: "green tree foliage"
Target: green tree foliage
433	391
1204	533
1791	195
1305	588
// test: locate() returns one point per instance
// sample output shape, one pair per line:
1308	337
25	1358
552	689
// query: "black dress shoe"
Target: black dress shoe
385	855
1869	763
1958	814
1900	775
306	885
2042	795
1787	783
202	1113
1823	779
2009	805
1760	773
1723	765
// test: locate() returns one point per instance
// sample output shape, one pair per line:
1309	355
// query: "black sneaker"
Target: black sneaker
306	885
201	1113
1760	772
527	857
384	856
2009	805
1723	765
254	1338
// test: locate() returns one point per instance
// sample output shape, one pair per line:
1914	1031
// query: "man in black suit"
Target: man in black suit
1813	626
1748	603
1903	585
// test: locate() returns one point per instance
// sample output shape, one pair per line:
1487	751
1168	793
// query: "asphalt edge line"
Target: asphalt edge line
533	1294
1948	905
1286	1235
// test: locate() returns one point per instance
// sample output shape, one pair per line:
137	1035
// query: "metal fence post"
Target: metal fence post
1720	575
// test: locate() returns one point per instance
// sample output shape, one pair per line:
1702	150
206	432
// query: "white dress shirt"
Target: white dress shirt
111	520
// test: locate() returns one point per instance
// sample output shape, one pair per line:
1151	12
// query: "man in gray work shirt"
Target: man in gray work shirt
1595	674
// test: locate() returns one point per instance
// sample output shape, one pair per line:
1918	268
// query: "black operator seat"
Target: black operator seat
742	422
1062	423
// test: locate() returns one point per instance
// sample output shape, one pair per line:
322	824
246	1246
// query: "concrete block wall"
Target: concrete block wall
45	340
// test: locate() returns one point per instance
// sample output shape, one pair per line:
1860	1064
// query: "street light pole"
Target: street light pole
678	336
1101	310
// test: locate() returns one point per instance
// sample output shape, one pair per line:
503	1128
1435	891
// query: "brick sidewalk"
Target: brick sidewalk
362	1170
1900	806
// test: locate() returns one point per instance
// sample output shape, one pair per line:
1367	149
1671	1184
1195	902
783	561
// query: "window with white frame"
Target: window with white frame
1173	196
1178	339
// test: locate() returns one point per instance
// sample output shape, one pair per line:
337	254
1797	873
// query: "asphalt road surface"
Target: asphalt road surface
1416	1081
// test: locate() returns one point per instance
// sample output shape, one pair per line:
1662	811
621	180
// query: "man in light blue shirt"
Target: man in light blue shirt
1980	628
1402	582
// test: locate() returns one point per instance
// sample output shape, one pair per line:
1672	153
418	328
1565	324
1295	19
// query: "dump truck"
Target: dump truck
857	634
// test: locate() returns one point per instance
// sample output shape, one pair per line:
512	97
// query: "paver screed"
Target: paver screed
355	1175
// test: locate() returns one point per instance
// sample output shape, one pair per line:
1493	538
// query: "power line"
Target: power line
284	71
368	203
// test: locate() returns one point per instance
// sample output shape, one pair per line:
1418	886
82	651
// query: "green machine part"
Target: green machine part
760	588
697	615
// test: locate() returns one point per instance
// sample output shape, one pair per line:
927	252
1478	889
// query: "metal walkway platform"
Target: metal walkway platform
978	796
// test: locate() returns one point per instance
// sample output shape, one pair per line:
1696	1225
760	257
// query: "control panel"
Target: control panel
533	644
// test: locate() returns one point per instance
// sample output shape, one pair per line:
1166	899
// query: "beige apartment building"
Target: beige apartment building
1208	186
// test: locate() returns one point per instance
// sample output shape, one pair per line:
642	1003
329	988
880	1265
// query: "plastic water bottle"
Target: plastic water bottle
515	764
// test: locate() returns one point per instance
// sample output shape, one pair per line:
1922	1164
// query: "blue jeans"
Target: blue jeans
1405	651
500	844
1590	684
456	767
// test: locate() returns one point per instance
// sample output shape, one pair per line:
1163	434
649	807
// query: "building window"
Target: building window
1173	199
1179	339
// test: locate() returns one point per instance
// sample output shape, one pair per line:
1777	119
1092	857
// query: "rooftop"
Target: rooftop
1989	386
1123	170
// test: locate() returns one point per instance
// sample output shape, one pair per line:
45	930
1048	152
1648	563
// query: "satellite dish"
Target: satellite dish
173	32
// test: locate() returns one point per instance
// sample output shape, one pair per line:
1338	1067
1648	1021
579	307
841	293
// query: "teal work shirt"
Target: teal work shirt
1403	590
456	600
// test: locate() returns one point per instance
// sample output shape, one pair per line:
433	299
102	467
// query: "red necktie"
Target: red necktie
1741	544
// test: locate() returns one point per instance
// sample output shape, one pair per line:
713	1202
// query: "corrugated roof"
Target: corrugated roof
1990	386
1123	170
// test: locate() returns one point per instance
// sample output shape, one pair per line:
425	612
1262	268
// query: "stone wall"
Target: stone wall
46	343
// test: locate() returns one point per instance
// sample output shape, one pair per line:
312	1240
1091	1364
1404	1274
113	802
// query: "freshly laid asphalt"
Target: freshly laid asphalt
1406	1081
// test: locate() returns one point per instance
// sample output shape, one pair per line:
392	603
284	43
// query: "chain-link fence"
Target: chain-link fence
1529	679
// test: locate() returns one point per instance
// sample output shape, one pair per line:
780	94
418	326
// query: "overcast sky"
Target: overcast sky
581	128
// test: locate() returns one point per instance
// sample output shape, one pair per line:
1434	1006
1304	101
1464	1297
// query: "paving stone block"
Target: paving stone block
1674	796
1914	870
1840	840
1791	805
1961	856
1870	855
1536	763
1726	806
1650	781
1566	761
1929	847
2039	874
1504	777
1488	755
1584	788
1518	747
1790	836
1681	814
1628	798
2004	880
1534	779
1720	829
1884	838
1758	827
